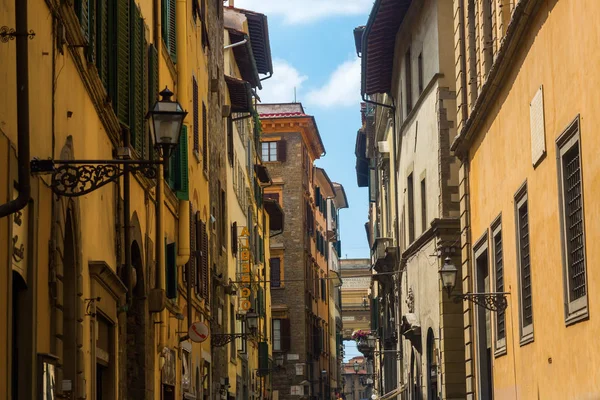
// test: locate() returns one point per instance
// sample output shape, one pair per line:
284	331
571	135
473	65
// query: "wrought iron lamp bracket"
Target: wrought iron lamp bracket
221	339
493	301
73	178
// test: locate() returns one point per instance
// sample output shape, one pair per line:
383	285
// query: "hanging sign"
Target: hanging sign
198	332
245	272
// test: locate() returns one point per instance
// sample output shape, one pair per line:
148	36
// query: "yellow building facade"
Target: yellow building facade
527	117
98	305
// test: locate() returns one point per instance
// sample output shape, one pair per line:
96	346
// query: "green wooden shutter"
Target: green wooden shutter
82	9
91	34
123	50
263	357
171	270
101	40
182	178
137	87
168	27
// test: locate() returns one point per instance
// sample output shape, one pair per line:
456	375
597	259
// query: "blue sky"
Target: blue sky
312	46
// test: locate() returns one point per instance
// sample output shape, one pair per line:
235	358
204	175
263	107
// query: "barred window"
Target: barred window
573	242
526	301
499	282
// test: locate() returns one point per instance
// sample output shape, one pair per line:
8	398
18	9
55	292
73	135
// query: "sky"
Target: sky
312	46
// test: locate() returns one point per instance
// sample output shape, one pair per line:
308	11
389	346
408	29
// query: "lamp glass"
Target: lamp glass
252	321
356	366
167	119
448	274
371	341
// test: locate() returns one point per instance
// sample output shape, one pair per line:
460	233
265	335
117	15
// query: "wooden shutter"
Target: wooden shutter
182	184
230	140
281	151
82	9
286	338
275	267
91	33
171	272
318	197
137	87
172	31
204	281
234	239
152	76
193	256
199	252
195	114
123	61
102	47
204	138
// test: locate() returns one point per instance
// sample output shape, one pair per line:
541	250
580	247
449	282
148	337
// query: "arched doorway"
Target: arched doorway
136	323
432	387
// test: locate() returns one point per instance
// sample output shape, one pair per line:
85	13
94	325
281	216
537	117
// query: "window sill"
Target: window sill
500	352
577	316
525	340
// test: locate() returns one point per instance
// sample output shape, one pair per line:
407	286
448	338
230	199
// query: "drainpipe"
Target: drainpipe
183	244
24	186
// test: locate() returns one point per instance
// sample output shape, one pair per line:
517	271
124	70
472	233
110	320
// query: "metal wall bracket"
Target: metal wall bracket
493	301
7	34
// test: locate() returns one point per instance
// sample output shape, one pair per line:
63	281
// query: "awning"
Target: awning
276	215
262	174
378	43
393	393
240	94
244	57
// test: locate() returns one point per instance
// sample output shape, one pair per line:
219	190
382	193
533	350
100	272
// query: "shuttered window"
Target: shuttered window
178	168
193	261
168	27
137	96
499	281
286	337
275	266
203	283
276	335
171	270
204	138
195	113
234	239
230	151
524	261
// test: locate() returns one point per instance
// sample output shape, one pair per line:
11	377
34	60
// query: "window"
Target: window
408	80
483	320
281	334
272	196
230	151
269	151
223	219
233	344
177	174
524	266
275	264
572	224
202	245
420	67
204	138
498	265
423	205
324	289
168	28
411	209
195	106
171	270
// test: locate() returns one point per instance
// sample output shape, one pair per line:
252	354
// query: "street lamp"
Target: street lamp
167	118
356	366
493	301
365	303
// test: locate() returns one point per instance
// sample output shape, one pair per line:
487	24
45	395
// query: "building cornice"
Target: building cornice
522	17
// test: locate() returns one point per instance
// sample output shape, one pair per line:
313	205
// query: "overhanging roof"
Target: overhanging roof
240	94
341	201
276	214
324	182
259	39
358	35
378	42
244	57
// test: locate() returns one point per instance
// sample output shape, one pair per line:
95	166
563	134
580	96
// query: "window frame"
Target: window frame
578	309
521	198
273	330
495	230
269	145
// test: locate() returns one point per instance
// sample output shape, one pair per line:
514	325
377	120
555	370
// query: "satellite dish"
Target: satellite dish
198	332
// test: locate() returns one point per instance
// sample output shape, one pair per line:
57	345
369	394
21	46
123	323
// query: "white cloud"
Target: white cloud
305	11
342	88
280	88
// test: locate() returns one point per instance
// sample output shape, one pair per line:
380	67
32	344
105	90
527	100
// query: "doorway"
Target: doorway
483	324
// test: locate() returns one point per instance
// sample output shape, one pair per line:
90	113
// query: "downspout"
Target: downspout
463	62
183	242
24	186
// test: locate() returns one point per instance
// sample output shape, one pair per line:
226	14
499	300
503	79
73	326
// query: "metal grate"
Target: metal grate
499	265
574	223
526	301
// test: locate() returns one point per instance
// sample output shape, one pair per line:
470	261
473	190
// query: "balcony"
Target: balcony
384	255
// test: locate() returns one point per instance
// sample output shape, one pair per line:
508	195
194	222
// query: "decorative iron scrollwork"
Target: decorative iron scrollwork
7	34
221	339
491	301
77	180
